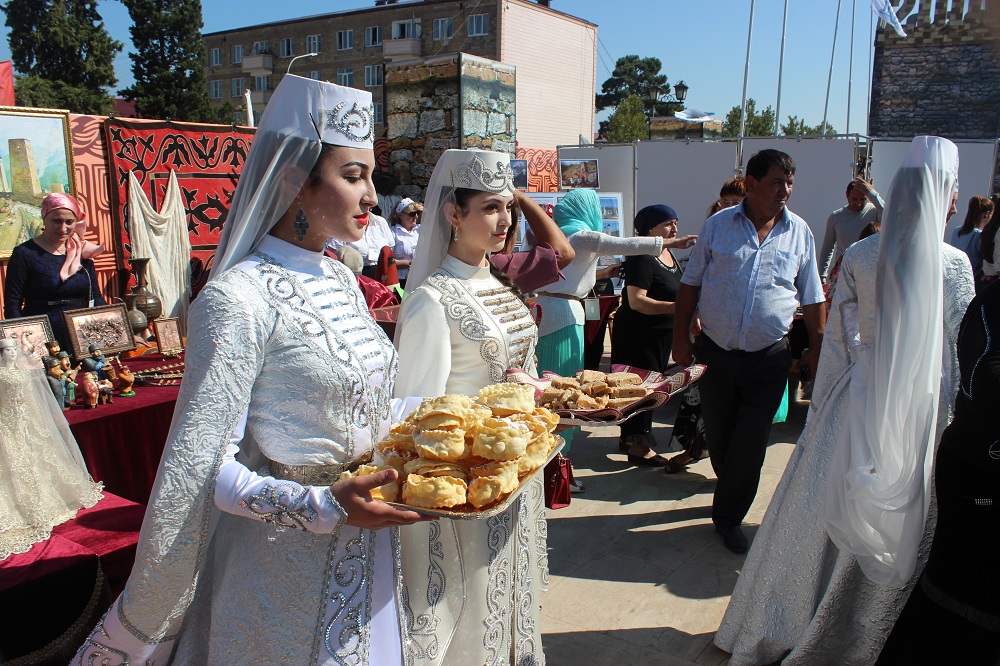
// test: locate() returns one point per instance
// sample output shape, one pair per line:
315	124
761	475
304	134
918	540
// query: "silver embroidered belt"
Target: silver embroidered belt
316	475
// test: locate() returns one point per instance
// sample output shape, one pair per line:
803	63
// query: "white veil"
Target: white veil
470	169
301	116
880	476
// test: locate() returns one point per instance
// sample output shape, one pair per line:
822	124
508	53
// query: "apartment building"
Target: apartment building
555	55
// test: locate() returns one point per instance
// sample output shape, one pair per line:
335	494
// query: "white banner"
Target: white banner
885	11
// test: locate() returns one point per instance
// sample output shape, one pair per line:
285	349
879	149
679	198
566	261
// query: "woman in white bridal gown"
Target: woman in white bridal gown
471	587
802	599
252	551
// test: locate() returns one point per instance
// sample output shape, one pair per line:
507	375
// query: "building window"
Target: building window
262	83
373	76
261	47
236	54
479	25
345	40
443	29
215	89
214	57
345	76
378	114
313	43
373	35
236	87
406	29
287	47
315	75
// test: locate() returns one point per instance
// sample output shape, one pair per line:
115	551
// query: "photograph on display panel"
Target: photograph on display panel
106	326
520	170
36	159
31	333
578	173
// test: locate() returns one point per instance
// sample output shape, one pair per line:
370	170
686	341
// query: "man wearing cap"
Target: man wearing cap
406	227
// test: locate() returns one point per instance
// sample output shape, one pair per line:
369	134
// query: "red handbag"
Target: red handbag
558	478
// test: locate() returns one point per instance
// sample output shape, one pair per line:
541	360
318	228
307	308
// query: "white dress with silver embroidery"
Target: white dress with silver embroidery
800	599
283	351
471	588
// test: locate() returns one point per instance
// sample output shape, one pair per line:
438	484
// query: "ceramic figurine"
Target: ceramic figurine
69	374
54	373
125	381
88	383
96	362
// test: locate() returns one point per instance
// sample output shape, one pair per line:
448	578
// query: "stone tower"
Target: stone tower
23	173
4	184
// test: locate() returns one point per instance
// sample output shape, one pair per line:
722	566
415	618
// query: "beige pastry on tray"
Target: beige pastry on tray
462	454
592	389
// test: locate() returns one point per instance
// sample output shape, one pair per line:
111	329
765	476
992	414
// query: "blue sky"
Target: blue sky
703	43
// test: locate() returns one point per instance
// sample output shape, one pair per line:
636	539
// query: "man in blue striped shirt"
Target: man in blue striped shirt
753	265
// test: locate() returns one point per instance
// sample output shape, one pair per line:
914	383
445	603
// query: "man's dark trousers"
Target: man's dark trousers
740	394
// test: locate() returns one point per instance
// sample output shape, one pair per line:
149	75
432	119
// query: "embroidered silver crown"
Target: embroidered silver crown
356	123
478	176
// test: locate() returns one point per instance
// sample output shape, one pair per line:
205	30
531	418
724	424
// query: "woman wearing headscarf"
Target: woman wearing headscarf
644	324
471	587
53	272
251	549
560	345
850	523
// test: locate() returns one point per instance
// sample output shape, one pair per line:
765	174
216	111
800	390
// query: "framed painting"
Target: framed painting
520	170
105	326
36	159
168	336
578	173
31	333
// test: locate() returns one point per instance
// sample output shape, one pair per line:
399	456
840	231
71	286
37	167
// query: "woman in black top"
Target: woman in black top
644	324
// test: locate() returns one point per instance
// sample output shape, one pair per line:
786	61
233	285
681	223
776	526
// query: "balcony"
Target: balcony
258	65
260	97
401	49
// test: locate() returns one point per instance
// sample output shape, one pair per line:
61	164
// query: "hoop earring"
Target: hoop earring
301	225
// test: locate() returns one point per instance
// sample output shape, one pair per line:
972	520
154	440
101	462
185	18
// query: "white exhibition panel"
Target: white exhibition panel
684	175
976	160
823	168
615	170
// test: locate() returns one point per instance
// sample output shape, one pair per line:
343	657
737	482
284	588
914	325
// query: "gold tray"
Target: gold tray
472	513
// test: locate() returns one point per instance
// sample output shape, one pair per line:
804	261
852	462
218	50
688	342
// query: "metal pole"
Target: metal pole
746	76
871	50
781	67
850	67
829	78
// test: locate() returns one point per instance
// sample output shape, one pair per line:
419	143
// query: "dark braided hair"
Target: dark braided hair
462	196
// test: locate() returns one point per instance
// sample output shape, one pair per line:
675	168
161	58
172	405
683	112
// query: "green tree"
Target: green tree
63	53
636	76
169	61
628	122
798	127
757	124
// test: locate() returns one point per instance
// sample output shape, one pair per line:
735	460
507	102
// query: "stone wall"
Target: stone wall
943	78
452	101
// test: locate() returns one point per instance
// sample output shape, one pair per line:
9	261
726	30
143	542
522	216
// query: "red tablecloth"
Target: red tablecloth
54	593
122	442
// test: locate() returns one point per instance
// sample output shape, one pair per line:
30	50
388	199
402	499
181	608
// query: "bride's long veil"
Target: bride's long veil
879	487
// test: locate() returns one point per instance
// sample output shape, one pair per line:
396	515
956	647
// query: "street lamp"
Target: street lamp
292	61
680	94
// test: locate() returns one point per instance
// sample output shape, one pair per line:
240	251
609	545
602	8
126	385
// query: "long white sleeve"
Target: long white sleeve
424	343
602	245
242	492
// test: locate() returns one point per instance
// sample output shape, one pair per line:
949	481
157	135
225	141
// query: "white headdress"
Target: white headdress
879	488
457	169
301	116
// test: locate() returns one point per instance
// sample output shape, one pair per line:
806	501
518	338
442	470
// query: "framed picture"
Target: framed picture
168	336
578	173
37	159
32	333
105	326
520	169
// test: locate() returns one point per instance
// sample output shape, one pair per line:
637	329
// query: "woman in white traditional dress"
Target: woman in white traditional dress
850	522
43	479
471	588
252	551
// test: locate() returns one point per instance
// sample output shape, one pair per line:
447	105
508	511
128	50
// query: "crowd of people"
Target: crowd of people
252	545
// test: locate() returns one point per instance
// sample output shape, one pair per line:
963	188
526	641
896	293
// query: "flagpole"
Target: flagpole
850	66
781	67
746	76
829	78
871	50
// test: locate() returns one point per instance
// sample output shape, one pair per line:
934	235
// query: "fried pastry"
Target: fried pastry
484	490
500	439
434	468
456	405
434	492
508	398
446	445
504	470
401	437
536	454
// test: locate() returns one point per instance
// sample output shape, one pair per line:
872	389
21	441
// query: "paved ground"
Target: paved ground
638	575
